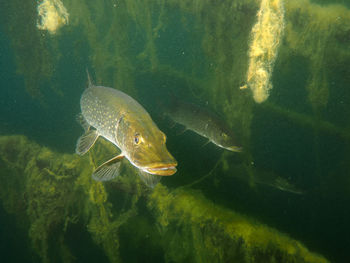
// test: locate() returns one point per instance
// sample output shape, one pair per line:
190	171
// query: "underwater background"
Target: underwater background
277	72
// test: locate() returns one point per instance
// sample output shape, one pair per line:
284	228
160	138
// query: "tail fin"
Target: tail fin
90	84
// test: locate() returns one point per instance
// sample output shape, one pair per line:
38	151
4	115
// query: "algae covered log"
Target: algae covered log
204	232
58	193
54	192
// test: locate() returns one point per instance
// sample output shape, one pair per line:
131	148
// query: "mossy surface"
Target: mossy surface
197	50
203	231
59	192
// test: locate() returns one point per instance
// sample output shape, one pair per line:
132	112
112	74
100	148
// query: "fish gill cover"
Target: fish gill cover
202	51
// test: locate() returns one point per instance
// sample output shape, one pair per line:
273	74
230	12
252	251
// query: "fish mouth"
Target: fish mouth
235	148
162	169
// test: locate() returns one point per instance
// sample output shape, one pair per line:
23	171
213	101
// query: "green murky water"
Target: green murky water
284	198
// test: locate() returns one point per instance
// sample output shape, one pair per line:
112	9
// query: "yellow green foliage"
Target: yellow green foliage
201	230
31	48
56	190
318	33
51	191
59	191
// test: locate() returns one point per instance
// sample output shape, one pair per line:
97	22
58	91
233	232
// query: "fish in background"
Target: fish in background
270	179
115	116
284	185
203	122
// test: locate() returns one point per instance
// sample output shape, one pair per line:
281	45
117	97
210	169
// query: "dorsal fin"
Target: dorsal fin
90	84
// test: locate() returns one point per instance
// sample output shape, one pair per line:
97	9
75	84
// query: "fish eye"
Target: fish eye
137	139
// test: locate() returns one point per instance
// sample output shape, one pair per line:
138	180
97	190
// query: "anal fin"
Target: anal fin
86	141
108	170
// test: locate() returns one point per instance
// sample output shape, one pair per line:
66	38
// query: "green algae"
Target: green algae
124	39
214	234
59	191
318	33
32	49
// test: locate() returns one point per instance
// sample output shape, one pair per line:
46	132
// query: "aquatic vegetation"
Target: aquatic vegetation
52	15
60	191
199	230
266	37
106	28
57	191
33	54
45	203
127	42
319	34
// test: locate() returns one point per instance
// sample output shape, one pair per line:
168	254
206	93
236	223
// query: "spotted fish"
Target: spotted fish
120	119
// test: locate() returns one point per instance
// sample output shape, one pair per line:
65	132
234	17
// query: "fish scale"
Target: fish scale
102	108
120	119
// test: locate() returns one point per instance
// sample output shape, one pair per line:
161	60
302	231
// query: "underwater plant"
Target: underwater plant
218	46
60	193
266	36
52	15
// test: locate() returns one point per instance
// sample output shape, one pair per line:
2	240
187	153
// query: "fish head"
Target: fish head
147	150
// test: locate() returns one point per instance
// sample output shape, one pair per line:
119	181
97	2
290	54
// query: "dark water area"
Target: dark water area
300	134
48	122
13	240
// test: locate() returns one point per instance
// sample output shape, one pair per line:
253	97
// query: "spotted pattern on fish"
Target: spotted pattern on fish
124	122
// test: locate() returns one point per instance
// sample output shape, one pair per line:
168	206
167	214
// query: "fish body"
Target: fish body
120	119
204	123
283	185
270	179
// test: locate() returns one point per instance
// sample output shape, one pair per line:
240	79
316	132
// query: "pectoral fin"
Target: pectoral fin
149	179
86	141
108	170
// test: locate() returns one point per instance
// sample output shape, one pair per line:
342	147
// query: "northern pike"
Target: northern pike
270	179
203	122
281	184
120	119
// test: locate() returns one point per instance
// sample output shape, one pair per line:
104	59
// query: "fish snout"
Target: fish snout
162	168
235	148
